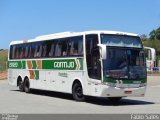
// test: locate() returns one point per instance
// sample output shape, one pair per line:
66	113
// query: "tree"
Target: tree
152	34
157	35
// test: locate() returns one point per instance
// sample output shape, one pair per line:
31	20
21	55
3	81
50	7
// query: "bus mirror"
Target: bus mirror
103	51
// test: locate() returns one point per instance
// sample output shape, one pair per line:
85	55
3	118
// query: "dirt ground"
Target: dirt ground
3	75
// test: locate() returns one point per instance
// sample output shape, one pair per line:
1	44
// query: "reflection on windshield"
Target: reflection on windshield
121	40
124	63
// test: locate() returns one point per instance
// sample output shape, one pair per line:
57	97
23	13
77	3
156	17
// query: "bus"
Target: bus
107	64
150	54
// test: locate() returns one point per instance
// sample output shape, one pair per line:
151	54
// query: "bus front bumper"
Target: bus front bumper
123	92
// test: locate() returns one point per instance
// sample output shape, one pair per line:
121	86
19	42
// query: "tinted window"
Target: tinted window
76	46
121	40
65	47
37	49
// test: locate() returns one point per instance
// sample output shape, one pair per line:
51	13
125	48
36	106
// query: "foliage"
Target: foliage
152	34
3	59
153	41
3	55
154	44
158	34
155	34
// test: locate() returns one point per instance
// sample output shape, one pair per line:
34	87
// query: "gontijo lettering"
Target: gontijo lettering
64	64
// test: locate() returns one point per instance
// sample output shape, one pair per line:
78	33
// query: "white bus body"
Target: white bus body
80	63
150	54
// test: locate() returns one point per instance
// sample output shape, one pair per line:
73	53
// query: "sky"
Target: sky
26	19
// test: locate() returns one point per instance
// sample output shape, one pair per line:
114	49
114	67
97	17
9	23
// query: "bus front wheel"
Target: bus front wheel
77	92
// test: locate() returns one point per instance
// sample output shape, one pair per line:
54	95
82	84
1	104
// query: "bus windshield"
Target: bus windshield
124	63
121	40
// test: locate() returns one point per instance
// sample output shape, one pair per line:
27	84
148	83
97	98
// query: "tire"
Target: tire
27	85
77	92
21	86
114	99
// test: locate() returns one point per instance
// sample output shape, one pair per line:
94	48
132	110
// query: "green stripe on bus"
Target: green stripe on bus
81	63
34	65
61	64
17	64
56	64
36	74
23	64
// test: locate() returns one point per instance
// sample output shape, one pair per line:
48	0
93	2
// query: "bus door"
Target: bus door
93	57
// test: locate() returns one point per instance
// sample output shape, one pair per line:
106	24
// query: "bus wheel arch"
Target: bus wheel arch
26	85
20	83
77	91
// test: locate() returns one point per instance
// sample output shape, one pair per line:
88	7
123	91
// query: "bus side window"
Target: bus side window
26	51
80	46
12	51
73	47
21	56
17	52
70	47
64	47
37	47
43	50
58	49
30	51
36	52
20	52
51	49
40	51
76	45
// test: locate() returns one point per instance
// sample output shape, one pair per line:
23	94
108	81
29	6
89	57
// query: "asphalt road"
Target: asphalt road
43	102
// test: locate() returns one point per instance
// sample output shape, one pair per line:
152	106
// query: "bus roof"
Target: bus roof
71	34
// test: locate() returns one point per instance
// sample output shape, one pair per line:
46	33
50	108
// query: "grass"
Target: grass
3	60
3	55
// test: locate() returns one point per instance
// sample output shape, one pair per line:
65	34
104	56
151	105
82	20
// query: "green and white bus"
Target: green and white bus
92	63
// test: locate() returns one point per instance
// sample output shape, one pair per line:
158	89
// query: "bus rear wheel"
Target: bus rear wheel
77	92
21	85
27	85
